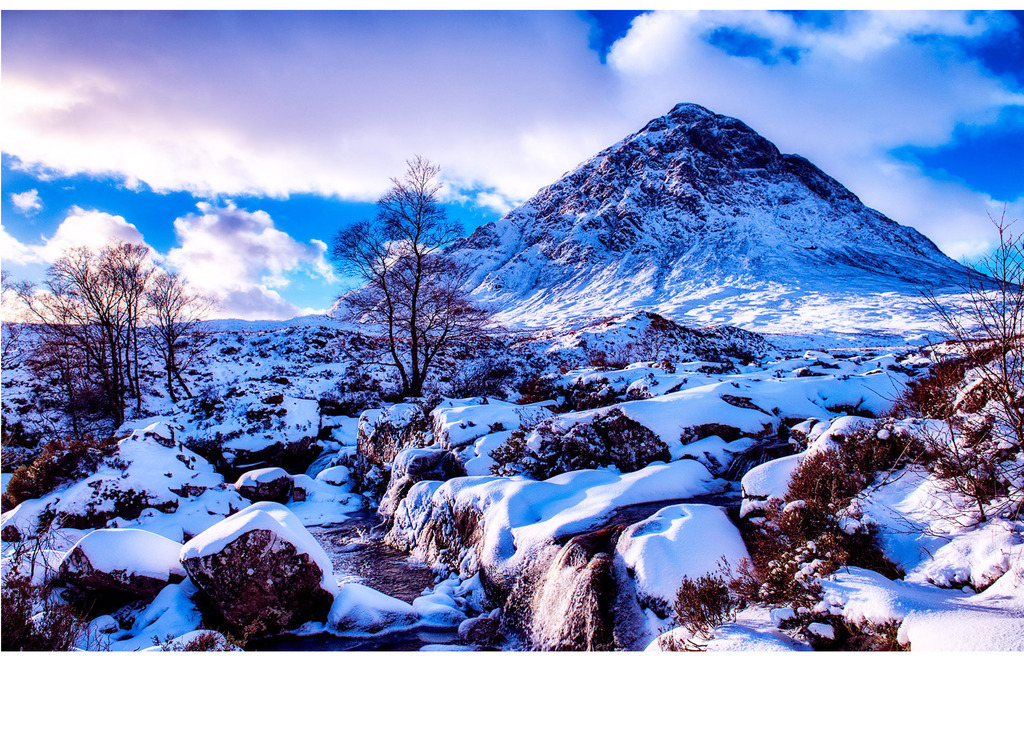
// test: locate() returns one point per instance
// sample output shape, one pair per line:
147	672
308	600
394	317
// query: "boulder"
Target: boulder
109	568
410	467
384	432
482	631
261	570
265	484
675	543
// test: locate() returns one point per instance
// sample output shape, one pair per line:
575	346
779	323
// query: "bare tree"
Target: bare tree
975	452
176	314
10	333
411	289
129	270
987	325
655	339
89	317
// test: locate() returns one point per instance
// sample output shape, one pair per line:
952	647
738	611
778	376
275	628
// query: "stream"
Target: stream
358	554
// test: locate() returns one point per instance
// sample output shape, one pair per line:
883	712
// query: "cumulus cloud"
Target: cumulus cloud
81	227
13	251
242	258
334	103
238	256
28	202
256	302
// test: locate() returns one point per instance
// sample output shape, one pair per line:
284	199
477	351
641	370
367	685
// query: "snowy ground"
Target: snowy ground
266	383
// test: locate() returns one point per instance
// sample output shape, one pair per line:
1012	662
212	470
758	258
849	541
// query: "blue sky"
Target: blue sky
237	143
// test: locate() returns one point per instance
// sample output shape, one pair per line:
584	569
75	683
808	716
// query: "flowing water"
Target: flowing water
567	604
358	554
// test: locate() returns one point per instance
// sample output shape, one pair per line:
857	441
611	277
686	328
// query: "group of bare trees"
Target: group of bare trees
99	311
412	289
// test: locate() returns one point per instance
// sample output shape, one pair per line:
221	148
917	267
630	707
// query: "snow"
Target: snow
753	630
930	618
438	609
521	515
337	475
822	630
747	238
136	552
358	608
458	422
767	481
268	516
151	464
676	542
481	461
300	418
754	403
171	614
262	475
326	502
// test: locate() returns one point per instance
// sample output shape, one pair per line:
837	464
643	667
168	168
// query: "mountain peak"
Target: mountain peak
694	203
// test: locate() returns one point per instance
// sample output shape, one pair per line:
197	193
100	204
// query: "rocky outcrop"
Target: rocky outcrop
384	432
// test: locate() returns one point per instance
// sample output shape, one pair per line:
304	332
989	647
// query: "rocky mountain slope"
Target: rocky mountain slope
696	216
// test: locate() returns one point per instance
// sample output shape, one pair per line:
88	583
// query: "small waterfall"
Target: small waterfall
575	598
568	612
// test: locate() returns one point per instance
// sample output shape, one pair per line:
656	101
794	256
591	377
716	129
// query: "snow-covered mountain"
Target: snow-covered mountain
698	217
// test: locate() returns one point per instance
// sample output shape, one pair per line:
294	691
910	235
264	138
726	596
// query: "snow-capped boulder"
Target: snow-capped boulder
262	570
676	542
265	484
336	475
767	481
410	467
383	432
583	440
110	567
458	422
363	609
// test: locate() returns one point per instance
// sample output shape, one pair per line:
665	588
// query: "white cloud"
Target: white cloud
334	103
13	251
238	256
256	302
81	227
241	257
28	202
